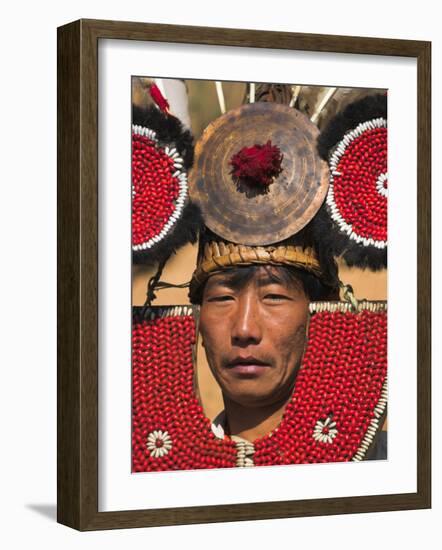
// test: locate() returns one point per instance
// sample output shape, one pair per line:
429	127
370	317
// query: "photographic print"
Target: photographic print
259	271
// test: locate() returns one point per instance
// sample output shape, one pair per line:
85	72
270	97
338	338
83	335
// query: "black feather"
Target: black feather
186	230
367	108
169	130
335	243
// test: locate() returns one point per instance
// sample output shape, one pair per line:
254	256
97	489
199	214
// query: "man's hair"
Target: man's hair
313	287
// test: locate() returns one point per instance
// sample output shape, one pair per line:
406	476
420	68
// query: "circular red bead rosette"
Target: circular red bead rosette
352	222
159	189
357	196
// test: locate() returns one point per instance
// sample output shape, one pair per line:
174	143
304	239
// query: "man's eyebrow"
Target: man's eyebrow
234	280
270	280
222	281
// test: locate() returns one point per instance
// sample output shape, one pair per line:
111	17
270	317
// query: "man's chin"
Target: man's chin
252	399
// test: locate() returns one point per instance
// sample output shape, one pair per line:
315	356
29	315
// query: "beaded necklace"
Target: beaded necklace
336	410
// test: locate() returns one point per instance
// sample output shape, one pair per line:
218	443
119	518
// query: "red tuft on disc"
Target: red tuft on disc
257	165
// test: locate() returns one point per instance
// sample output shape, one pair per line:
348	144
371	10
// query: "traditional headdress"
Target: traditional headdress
267	184
259	182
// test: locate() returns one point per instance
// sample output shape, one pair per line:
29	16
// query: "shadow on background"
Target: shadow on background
47	510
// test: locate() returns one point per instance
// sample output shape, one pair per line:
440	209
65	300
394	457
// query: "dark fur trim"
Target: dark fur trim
308	237
186	230
360	111
335	242
168	128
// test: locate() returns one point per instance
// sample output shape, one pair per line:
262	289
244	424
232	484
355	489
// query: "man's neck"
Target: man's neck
253	423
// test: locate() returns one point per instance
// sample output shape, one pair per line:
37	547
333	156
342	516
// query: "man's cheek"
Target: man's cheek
300	335
293	346
213	355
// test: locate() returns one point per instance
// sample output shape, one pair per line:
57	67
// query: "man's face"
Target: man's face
254	334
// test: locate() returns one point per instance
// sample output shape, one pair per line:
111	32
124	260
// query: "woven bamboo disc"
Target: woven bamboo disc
292	199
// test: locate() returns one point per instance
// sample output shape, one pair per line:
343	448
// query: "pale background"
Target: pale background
27	218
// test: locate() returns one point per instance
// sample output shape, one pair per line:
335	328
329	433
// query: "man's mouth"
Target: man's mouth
247	365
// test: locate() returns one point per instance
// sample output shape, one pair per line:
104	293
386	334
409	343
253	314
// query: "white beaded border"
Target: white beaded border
380	185
182	194
168	311
333	162
343	307
245	451
374	425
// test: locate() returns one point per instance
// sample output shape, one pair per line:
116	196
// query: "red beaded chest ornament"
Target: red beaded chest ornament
337	406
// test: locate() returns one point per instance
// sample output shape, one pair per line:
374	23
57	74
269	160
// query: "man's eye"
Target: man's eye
275	297
224	298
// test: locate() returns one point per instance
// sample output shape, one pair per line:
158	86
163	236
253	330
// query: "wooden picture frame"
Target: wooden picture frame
77	225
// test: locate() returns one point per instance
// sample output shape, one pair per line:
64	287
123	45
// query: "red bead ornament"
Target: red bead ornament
336	408
159	189
357	196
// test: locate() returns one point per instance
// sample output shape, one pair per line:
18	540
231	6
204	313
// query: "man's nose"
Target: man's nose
246	327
